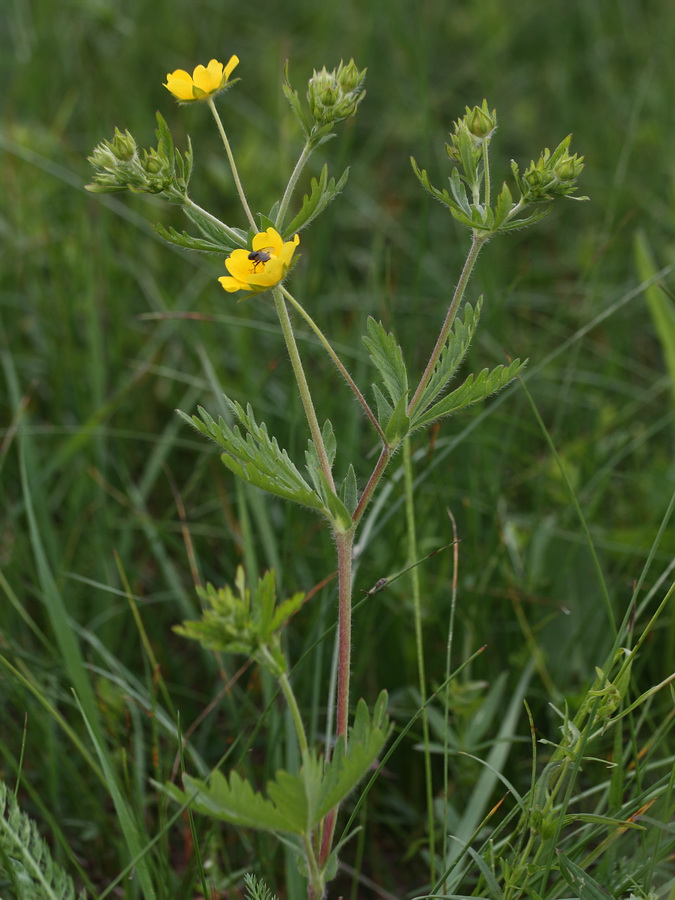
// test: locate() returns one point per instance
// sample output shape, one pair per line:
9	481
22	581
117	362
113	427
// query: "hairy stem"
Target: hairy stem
233	165
344	542
476	244
336	359
292	181
303	387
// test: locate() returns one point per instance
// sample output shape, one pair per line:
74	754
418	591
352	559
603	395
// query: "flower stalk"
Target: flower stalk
233	165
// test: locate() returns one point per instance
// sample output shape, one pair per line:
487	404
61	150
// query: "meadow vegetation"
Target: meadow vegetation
561	489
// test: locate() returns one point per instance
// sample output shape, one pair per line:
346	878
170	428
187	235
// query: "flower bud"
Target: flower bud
480	121
335	96
123	146
349	76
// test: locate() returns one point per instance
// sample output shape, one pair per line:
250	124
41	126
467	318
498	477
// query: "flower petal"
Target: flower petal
180	84
232	284
230	67
269	238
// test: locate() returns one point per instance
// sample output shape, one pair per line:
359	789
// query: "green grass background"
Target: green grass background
101	485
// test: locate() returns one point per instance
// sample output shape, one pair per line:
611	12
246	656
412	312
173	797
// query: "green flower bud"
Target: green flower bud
335	96
123	146
349	77
480	121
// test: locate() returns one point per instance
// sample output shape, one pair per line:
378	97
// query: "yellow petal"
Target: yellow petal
269	238
239	265
230	67
180	84
232	284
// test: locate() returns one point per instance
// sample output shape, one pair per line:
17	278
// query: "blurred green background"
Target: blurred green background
94	362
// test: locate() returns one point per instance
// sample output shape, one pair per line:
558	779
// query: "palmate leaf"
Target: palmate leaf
233	801
295	804
458	342
255	457
322	192
473	390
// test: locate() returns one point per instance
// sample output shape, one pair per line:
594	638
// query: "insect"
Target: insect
260	257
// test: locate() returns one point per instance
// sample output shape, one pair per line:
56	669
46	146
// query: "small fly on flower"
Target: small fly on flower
260	257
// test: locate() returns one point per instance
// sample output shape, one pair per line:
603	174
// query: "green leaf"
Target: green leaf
398	425
334	508
581	882
25	857
216	232
347	767
233	801
183	239
504	205
322	192
473	390
384	408
348	491
387	356
595	819
456	346
660	305
255	457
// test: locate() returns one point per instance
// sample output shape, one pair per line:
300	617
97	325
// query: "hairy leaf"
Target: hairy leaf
347	767
387	356
474	389
458	341
256	457
322	192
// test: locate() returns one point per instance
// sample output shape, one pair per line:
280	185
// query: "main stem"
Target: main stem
344	542
233	165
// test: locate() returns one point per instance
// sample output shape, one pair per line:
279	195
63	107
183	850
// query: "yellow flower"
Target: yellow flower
204	82
262	267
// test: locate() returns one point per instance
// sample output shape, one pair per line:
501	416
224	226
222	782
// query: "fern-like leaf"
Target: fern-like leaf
25	857
256	457
473	390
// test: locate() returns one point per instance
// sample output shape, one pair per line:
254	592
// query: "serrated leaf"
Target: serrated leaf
322	192
473	390
384	407
233	801
387	357
504	205
581	882
456	346
217	233
458	189
254	456
442	196
348	491
333	505
183	239
347	767
398	425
